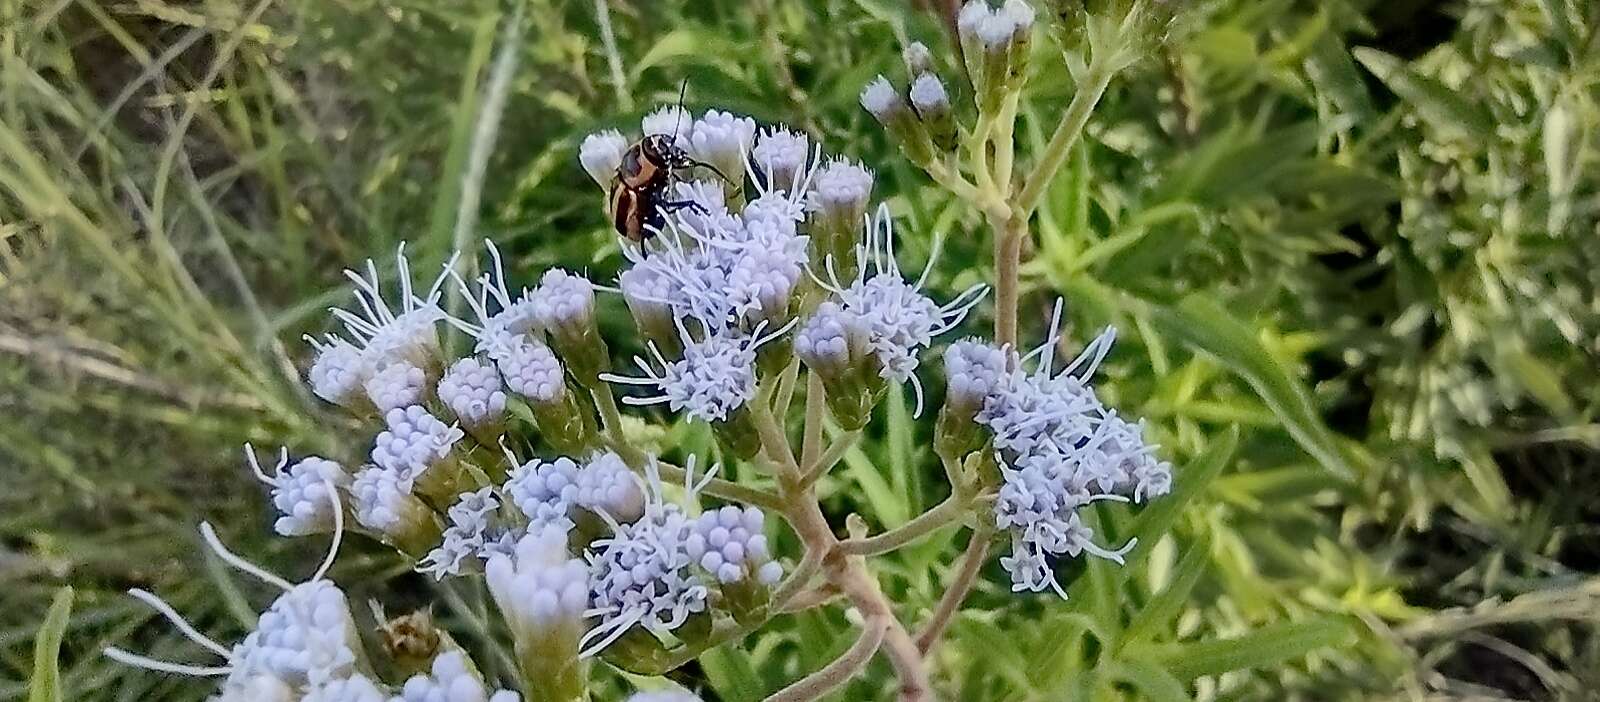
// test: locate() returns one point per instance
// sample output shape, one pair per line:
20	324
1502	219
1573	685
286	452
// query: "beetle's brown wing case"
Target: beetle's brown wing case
627	212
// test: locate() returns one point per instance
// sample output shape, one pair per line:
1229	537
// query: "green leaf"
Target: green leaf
1164	606
1150	680
1205	324
1437	104
997	647
1188	483
45	686
732	674
1263	647
887	505
1539	380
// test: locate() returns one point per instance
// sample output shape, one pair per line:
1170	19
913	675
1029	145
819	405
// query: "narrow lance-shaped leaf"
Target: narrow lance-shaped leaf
1207	325
45	685
1442	108
1260	648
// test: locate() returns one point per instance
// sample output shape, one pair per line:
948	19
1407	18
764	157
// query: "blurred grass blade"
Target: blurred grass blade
1263	647
45	685
1204	323
448	198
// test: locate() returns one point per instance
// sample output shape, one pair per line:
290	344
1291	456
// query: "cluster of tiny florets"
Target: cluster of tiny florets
1058	448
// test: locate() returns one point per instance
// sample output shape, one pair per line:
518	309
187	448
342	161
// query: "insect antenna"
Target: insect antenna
677	122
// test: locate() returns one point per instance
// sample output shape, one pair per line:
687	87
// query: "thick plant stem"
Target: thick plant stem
839	672
971	562
1008	234
1061	142
811	442
850	575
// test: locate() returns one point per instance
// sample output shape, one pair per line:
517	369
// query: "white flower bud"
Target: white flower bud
671	120
384	503
881	99
919	59
601	154
606	485
840	191
545	491
544	595
782	156
414	442
928	95
451	678
563	299
729	543
357	688
300	492
723	139
532	371
884	101
398	384
339	371
472	390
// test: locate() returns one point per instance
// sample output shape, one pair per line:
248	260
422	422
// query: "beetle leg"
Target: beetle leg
675	205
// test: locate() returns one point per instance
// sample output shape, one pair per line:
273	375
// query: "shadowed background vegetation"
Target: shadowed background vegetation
1351	248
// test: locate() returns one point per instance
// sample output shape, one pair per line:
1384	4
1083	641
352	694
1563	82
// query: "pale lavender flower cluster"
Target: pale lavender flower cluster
578	541
1058	448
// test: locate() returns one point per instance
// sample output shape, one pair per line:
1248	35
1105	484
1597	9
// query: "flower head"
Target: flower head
473	392
451	678
722	139
601	154
782	156
563	299
1060	448
503	318
384	502
880	308
544	594
398	384
303	493
840	190
414	442
340	371
918	58
533	371
305	638
643	574
715	377
407	332
729	544
476	532
545	491
673	121
928	94
881	99
605	485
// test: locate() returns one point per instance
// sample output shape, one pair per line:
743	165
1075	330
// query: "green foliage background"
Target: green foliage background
1351	247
